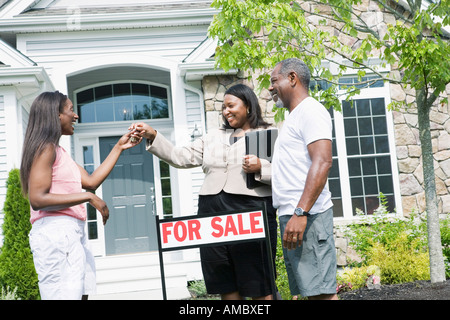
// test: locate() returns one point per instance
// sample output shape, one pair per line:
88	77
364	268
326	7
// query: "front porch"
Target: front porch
137	276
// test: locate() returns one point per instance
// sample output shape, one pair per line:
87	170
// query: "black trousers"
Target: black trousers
242	267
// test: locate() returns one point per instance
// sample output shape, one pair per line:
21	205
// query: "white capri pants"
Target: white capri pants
62	258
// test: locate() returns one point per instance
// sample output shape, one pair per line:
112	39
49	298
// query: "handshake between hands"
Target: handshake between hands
141	130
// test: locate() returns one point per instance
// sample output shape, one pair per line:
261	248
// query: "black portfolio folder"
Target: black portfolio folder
260	143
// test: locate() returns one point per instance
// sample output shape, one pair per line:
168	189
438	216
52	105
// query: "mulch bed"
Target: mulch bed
418	290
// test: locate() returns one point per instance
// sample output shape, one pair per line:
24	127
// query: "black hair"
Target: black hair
248	96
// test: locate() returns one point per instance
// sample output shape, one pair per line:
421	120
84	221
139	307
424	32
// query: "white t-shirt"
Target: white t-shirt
308	122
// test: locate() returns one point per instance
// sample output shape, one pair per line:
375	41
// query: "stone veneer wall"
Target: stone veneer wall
405	123
409	154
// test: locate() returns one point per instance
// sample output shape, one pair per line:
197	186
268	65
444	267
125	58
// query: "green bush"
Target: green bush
445	236
282	281
398	246
401	260
355	278
384	230
16	261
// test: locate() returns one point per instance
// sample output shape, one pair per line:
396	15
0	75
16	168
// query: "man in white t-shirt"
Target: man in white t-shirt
300	165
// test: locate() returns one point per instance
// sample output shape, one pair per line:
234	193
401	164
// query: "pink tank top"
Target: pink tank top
66	179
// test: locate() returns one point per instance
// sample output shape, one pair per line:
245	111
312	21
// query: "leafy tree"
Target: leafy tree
255	35
16	262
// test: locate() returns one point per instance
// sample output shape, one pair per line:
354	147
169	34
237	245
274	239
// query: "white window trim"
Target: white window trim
369	93
99	84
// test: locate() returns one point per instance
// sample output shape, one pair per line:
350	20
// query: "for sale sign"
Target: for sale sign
195	231
250	224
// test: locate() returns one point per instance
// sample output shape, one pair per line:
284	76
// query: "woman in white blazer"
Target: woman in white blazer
238	270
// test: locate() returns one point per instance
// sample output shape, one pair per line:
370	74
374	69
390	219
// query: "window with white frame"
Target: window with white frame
88	164
166	191
363	160
127	101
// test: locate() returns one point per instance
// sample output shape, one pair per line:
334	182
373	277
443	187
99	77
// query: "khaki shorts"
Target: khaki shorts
311	268
62	258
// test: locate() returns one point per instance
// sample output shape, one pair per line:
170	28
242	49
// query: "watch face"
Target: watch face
300	212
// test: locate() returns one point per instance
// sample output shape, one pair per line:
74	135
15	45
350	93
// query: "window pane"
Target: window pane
140	89
379	125
158	92
365	126
356	186
350	127
85	96
367	146
368	165
141	108
345	82
89	168
386	186
370	186
335	187
165	186
337	208
384	165
88	154
104	112
358	203
391	203
87	113
354	168
159	108
103	92
164	169
334	171
376	84
92	230
382	144
372	203
348	109
167	207
378	107
363	107
123	111
91	212
352	146
122	89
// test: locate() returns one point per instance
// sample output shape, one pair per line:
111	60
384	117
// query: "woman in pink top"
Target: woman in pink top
54	184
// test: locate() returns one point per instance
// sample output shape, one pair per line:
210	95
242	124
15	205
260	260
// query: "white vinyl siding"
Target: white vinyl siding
195	117
3	163
50	50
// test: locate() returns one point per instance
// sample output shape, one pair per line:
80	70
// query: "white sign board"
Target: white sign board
197	231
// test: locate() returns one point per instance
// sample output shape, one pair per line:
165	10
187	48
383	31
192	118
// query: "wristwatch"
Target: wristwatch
300	212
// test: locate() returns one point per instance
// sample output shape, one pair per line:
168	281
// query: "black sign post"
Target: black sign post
193	222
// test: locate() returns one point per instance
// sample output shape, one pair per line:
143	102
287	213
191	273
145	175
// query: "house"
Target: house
121	61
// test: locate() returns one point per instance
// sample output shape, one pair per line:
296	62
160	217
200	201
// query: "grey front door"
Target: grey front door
128	193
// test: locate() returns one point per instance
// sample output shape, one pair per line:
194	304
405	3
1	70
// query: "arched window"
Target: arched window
115	102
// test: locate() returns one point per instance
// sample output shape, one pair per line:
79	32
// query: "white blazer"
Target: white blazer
221	162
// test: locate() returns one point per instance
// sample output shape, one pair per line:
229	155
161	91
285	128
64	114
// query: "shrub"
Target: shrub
355	278
445	236
384	230
282	281
8	294
16	261
401	260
